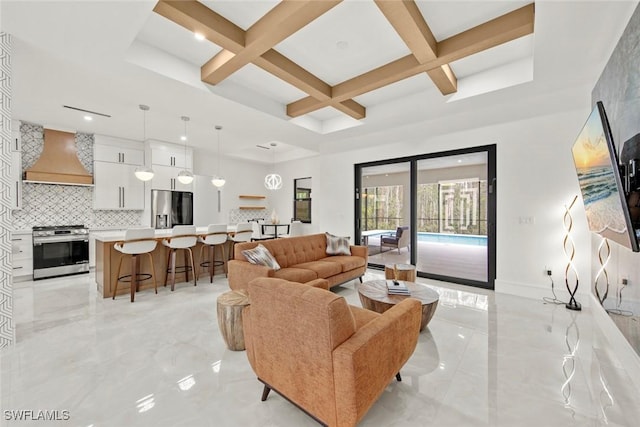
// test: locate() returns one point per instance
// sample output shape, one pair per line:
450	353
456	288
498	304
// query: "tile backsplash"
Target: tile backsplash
244	215
51	204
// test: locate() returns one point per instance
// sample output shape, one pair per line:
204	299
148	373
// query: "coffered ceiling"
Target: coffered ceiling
314	76
326	54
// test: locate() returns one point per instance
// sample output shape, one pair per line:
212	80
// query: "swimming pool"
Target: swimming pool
457	239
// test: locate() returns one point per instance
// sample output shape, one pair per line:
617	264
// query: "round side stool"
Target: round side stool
405	272
229	307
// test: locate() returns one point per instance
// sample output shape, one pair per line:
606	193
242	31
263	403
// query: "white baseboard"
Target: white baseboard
622	349
538	292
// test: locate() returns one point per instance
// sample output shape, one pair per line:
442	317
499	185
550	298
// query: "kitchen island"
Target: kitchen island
107	259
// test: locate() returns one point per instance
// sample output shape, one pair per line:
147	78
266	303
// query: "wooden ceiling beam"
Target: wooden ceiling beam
379	77
507	27
196	17
406	19
444	79
287	70
286	18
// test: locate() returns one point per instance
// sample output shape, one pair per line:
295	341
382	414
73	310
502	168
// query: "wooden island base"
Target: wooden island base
107	259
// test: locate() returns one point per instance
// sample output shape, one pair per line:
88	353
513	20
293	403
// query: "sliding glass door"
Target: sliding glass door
452	216
385	214
435	211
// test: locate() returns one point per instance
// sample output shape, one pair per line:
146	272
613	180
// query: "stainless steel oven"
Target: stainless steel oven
60	250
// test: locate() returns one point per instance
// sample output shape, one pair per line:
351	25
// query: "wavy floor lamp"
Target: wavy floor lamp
603	257
569	251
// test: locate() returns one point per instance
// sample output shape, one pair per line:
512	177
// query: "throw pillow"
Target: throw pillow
261	256
337	245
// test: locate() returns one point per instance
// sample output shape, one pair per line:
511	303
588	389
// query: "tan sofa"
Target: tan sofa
302	259
330	359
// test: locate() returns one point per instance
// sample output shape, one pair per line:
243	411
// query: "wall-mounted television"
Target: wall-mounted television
597	165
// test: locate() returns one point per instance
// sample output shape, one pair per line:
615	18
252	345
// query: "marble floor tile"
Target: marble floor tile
484	360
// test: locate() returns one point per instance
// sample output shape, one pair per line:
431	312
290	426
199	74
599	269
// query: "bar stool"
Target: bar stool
243	233
183	237
137	241
216	237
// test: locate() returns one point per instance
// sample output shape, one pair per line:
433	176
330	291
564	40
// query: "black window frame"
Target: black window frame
306	201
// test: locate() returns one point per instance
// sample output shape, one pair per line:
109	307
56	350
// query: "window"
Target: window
456	207
302	200
383	207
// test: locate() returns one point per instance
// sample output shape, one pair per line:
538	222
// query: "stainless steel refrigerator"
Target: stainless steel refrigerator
170	208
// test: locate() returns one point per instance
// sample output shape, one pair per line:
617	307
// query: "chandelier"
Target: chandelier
218	180
185	176
144	173
273	181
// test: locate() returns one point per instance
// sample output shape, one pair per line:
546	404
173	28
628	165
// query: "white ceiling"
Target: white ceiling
110	56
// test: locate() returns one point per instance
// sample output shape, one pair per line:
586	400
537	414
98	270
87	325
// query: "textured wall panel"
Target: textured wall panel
244	215
7	331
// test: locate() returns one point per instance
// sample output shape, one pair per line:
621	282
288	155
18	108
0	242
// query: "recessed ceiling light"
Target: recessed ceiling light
342	45
183	138
88	118
459	160
199	36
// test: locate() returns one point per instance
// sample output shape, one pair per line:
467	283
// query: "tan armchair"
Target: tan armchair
330	359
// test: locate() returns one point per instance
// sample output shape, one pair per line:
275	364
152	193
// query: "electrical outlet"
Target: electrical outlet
547	271
624	281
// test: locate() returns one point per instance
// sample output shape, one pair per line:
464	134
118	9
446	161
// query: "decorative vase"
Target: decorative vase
274	217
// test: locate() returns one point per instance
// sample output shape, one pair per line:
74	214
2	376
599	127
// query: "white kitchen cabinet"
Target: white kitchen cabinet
15	191
166	178
22	254
115	154
115	184
116	187
165	154
174	156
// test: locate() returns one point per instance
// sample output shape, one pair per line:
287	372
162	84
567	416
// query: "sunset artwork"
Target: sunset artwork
594	164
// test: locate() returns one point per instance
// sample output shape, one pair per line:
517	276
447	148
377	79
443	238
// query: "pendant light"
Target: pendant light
218	180
144	173
273	181
185	176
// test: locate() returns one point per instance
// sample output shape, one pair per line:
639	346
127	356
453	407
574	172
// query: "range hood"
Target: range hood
59	161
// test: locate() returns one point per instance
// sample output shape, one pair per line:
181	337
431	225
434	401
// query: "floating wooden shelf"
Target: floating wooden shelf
249	196
252	207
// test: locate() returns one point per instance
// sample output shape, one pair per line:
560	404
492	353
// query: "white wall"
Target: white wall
536	178
243	177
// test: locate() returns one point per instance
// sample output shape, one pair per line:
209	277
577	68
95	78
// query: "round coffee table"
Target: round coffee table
373	296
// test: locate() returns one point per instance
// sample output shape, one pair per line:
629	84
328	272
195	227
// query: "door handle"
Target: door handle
123	203
492	186
122	157
17	195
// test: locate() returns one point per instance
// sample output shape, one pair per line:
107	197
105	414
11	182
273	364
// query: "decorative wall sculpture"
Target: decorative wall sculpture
7	330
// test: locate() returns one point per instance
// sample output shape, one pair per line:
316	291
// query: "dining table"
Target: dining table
273	229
